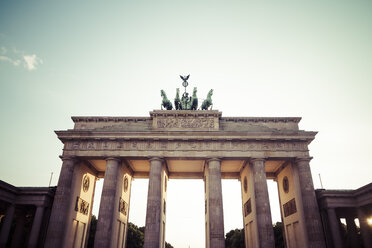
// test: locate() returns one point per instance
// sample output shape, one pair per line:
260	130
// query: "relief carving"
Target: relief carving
81	206
185	123
123	207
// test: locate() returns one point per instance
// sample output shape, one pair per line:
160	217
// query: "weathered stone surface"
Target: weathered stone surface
108	209
263	213
313	222
214	218
153	229
60	210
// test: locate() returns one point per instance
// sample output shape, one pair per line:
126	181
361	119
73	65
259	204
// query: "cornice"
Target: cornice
185	113
173	113
76	119
198	136
262	119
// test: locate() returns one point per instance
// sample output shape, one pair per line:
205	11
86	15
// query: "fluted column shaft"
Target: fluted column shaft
8	218
334	224
36	224
58	219
215	204
107	208
313	223
153	211
264	222
365	229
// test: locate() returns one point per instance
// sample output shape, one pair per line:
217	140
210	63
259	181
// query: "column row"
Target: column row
298	205
20	226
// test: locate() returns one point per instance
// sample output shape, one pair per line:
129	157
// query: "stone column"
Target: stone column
334	225
108	209
58	219
365	230
36	224
8	219
153	229
264	222
352	230
214	218
19	229
314	227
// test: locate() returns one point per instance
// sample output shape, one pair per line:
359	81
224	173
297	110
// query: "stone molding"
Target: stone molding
253	160
213	159
188	145
66	158
262	119
303	159
113	158
157	159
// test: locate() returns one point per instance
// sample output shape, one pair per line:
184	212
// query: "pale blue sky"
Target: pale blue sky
262	58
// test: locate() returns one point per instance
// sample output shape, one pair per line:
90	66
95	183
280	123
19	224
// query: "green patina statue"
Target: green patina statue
165	102
208	102
194	100
186	102
177	100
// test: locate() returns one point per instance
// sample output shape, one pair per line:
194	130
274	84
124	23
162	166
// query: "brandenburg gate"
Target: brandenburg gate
178	144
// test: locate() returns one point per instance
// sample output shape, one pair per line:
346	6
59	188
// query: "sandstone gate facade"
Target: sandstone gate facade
184	144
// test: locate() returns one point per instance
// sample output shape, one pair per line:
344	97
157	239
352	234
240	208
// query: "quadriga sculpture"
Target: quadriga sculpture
165	102
207	102
194	100
177	100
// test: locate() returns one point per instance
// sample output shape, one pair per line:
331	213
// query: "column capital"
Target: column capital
303	159
213	159
160	159
113	158
252	160
65	158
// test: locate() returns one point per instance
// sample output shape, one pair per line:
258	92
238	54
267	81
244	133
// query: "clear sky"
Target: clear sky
311	59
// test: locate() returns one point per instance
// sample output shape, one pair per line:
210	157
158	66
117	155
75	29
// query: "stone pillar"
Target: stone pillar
8	219
314	227
36	224
108	209
62	199
263	213
155	224
334	225
17	238
214	205
352	230
365	229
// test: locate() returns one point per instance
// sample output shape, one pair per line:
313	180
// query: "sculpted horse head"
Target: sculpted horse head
210	93
162	93
194	100
194	92
177	100
165	102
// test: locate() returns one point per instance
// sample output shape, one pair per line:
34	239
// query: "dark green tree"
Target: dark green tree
278	235
92	231
235	239
167	245
135	236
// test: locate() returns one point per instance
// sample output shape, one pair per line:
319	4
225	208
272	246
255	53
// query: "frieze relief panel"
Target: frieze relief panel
204	123
189	145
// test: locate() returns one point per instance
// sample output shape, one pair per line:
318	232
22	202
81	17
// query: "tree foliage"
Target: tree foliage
135	235
235	238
